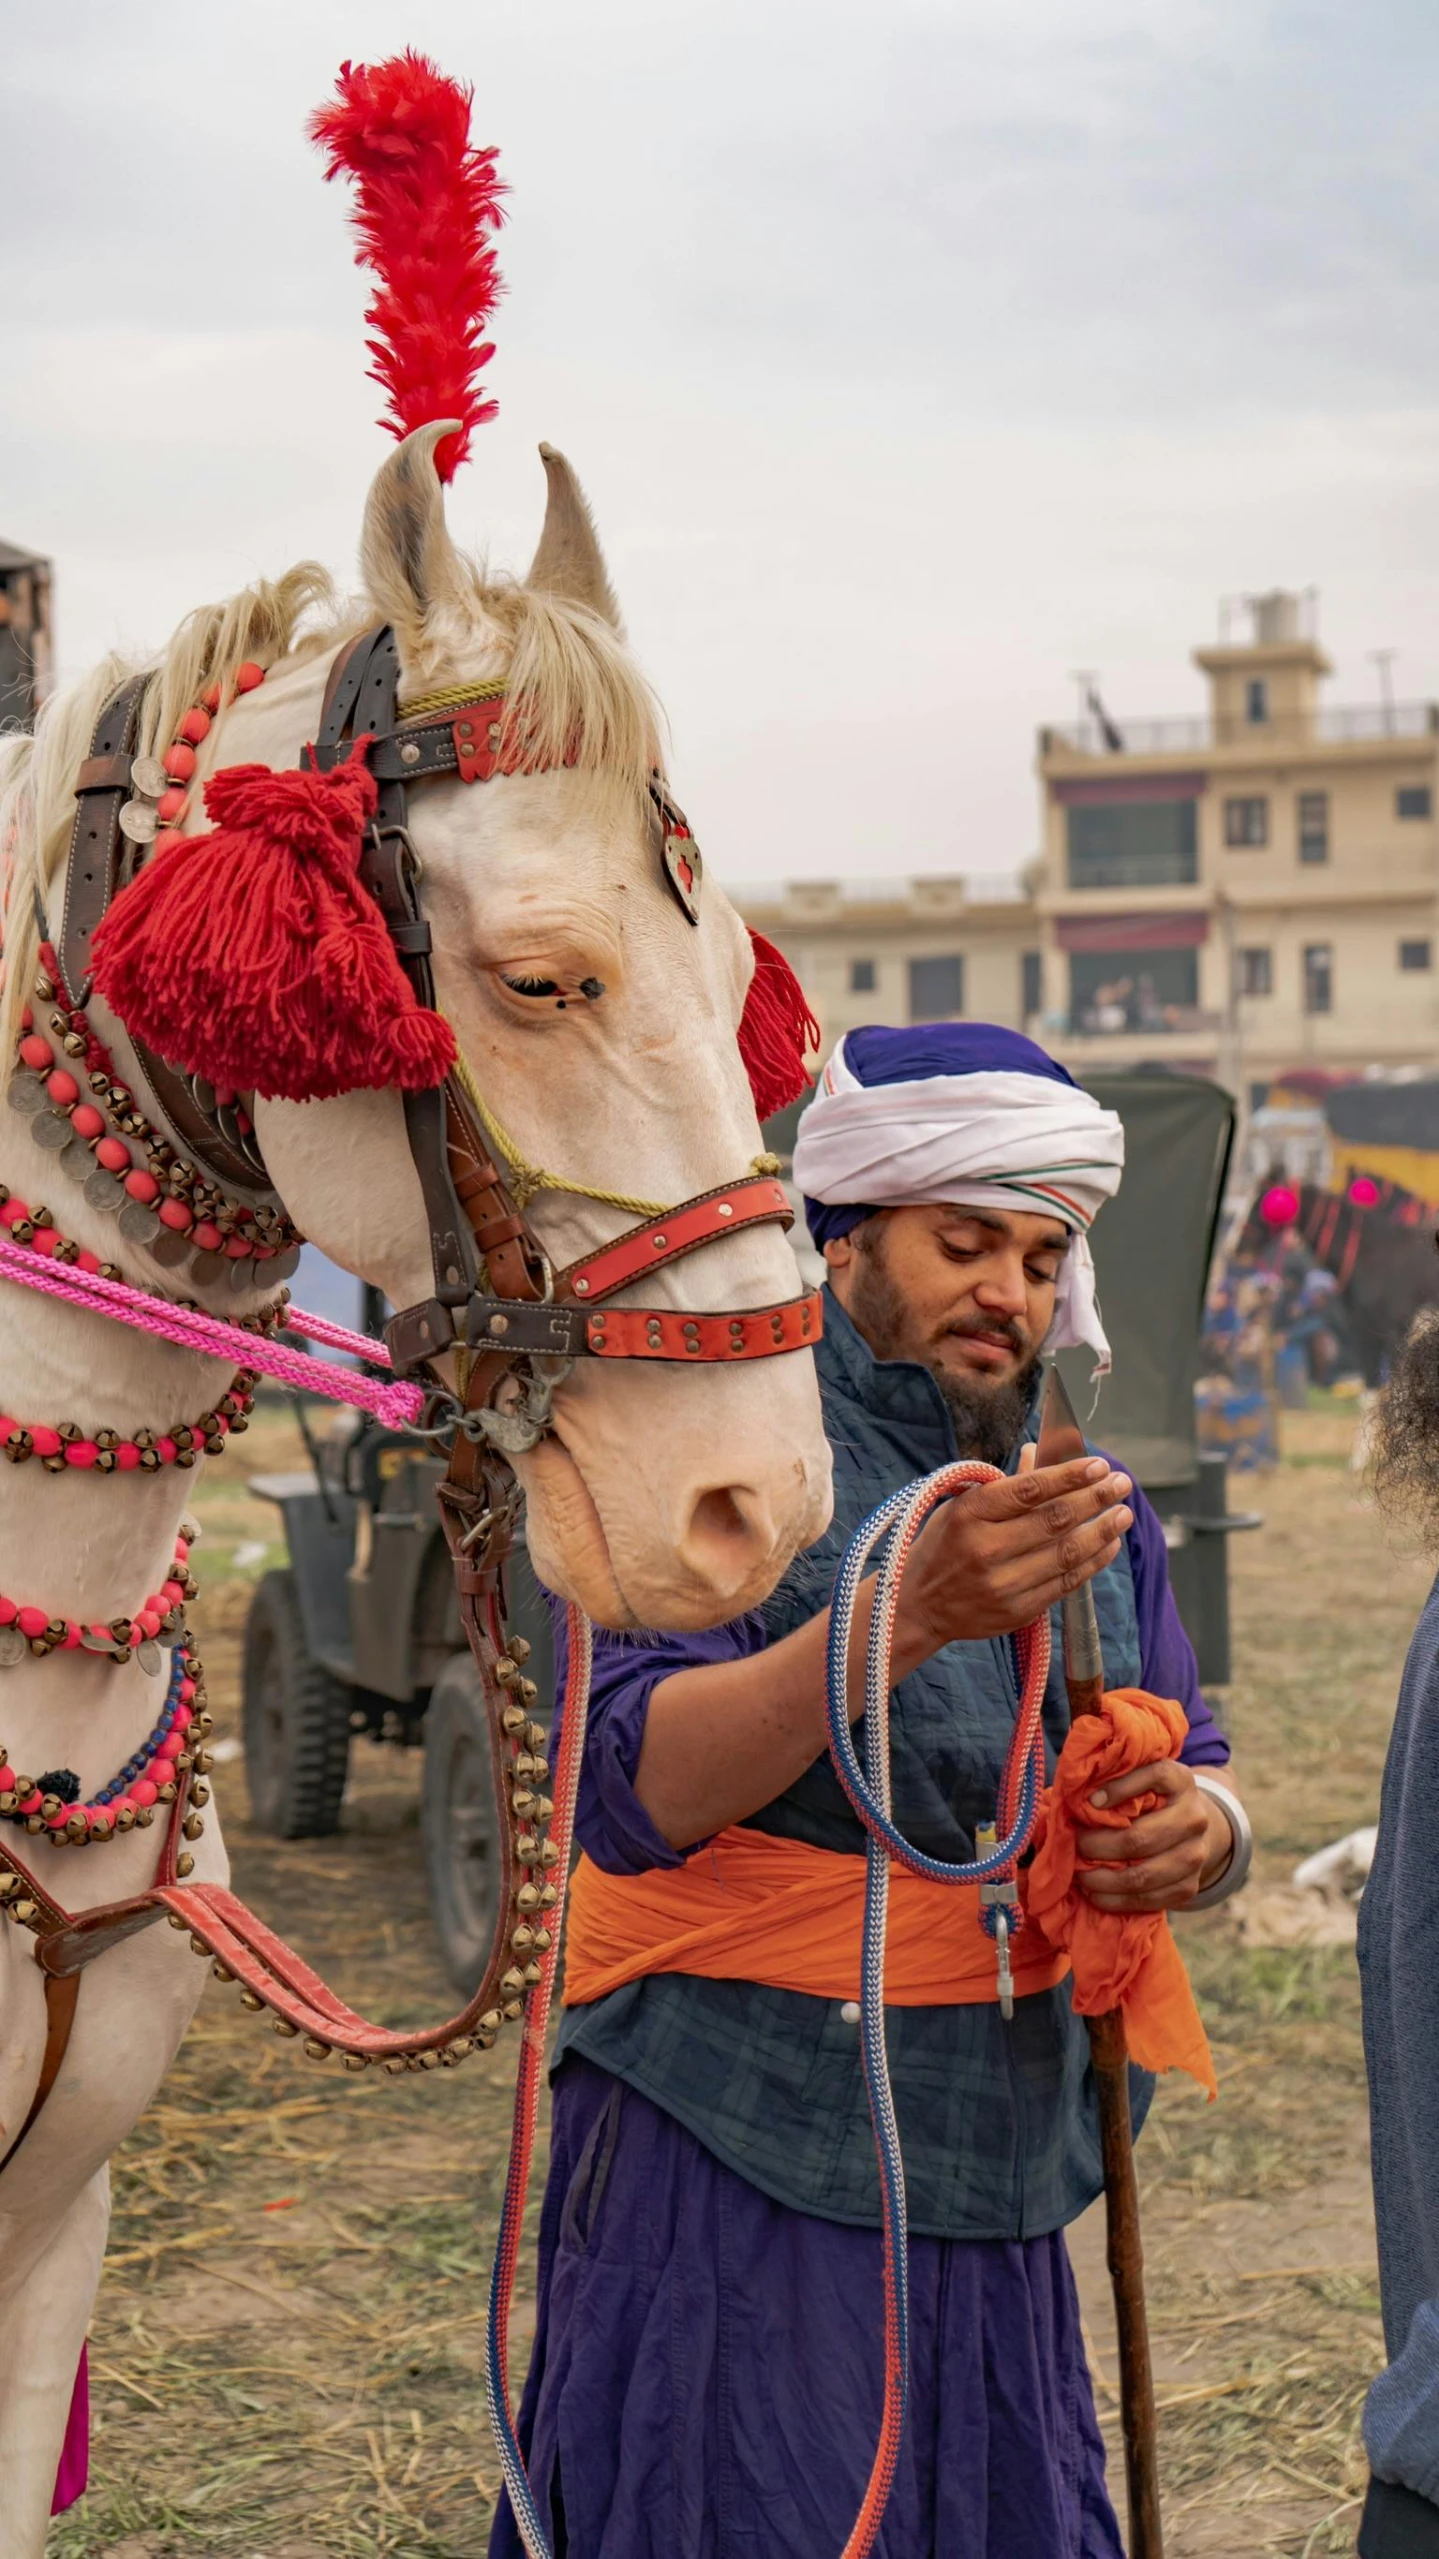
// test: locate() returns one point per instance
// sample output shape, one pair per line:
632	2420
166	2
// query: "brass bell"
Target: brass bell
514	2008
356	2061
192	1826
512	1982
528	1897
221	1971
491	2022
283	2026
518	1648
316	2051
251	1999
184	1865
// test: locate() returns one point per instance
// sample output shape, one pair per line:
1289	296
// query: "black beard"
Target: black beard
1406	1442
988	1420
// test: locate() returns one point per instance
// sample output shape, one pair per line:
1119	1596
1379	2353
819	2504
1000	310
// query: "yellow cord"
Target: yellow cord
525	1178
452	698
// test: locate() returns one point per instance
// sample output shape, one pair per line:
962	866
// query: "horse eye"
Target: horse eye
530	985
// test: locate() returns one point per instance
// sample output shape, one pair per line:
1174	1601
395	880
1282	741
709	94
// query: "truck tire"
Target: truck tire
458	1822
296	1721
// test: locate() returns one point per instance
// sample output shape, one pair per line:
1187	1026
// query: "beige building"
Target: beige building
1248	890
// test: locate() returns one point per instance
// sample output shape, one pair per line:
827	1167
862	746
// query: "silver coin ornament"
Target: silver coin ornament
77	1160
284	1265
93	1640
13	1647
139	821
147	1654
52	1130
168	1248
102	1189
26	1094
149	777
139	1224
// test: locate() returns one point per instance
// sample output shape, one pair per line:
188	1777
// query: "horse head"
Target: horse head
597	1021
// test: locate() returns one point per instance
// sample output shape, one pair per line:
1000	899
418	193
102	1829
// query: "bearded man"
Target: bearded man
1399	1974
707	2374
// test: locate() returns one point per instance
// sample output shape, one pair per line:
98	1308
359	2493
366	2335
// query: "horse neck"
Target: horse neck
77	1543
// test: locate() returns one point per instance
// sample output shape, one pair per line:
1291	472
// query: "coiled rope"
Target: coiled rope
894	1526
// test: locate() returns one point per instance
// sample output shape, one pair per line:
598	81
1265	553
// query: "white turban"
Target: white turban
969	1114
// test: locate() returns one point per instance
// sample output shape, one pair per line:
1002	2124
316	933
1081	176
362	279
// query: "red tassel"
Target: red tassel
776	1031
426	204
254	957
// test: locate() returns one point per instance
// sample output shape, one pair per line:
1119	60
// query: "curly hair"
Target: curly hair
1405	1462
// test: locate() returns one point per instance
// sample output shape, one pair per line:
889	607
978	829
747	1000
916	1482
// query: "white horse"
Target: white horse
660	1498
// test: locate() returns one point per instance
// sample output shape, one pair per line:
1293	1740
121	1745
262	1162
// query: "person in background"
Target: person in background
1399	1976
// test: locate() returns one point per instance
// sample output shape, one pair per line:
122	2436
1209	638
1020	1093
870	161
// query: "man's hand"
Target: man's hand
1000	1554
1164	1857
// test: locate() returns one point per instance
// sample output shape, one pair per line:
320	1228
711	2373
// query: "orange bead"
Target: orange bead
195	727
179	761
248	676
172	806
211	698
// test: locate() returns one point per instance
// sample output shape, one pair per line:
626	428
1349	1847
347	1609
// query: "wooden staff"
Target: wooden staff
1061	1439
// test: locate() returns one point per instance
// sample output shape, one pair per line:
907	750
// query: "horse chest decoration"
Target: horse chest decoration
443	989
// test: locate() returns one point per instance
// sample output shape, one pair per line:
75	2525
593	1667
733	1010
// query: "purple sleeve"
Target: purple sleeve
611	1824
1166	1656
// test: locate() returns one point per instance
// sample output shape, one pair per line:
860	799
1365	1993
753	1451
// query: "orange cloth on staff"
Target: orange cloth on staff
1125	1960
750	1907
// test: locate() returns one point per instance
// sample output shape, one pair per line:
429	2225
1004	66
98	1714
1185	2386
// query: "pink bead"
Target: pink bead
176	1213
171	1593
32	1621
208	1236
81	1452
166	1451
70	1640
86	1121
187	1691
142	1186
37	1053
127	1457
211	697
58	1820
99	1817
122	1804
30	1803
162	1772
87	1262
12	1212
150	1620
44	1240
8	1611
239	1248
47	1442
248	676
135	1637
195	726
172	805
179	761
113	1153
141	1791
7	1778
62	1088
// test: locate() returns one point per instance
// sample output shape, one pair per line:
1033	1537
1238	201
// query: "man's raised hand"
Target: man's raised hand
1000	1554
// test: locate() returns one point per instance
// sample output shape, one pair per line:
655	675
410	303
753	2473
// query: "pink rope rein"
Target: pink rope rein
395	1405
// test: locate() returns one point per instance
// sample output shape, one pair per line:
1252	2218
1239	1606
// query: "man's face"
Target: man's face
969	1293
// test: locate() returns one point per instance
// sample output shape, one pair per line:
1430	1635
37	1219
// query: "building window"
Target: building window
1413	799
1313	826
1031	975
1246	821
1318	977
1256	700
1416	955
863	977
1133	990
936	989
1133	844
1254	972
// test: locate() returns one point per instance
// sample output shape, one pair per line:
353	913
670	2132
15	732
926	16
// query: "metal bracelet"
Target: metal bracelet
1235	1875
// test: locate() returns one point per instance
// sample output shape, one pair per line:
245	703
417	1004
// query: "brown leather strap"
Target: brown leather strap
92	871
61	1997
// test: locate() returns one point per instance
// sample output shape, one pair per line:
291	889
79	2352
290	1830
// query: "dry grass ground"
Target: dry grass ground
286	2351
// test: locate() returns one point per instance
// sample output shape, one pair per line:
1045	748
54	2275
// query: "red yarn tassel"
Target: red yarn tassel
254	957
776	1031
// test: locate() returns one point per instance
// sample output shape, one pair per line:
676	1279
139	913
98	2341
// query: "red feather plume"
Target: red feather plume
426	206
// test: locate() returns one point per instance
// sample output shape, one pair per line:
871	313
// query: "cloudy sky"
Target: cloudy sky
913	355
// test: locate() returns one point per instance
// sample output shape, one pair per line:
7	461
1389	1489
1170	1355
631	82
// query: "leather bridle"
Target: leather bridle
513	1323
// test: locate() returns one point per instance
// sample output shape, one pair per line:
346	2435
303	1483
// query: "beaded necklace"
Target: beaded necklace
151	1776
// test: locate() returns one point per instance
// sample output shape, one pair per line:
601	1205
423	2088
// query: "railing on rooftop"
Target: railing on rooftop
1118	1021
1189	736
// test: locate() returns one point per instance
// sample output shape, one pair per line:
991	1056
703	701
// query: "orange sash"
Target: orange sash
751	1907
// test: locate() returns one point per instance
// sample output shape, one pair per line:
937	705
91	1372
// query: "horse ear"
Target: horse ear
412	572
569	561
